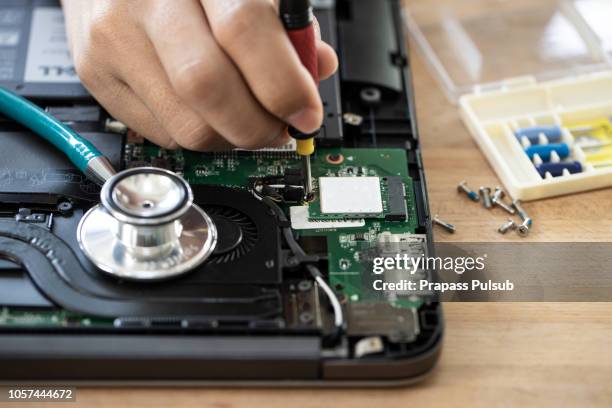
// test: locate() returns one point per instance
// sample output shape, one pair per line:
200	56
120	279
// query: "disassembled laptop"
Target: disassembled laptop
219	266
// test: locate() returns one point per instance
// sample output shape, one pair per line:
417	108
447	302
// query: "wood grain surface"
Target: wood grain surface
495	354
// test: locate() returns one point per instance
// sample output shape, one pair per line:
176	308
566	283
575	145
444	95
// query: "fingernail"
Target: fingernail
307	120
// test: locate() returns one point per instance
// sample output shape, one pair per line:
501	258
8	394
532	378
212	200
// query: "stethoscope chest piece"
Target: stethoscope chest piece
146	227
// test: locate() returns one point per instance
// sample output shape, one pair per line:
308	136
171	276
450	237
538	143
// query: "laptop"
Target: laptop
252	313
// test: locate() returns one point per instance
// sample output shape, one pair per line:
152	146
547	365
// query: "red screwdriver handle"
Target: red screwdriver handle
305	43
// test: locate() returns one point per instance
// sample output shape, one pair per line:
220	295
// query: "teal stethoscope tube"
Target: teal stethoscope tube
78	150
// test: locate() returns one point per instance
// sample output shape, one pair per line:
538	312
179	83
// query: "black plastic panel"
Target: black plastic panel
332	133
105	357
369	44
35	171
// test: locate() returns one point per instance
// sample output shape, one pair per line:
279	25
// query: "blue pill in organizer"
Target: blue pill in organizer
556	169
544	151
552	133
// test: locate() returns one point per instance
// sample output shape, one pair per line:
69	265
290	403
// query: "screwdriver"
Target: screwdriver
298	19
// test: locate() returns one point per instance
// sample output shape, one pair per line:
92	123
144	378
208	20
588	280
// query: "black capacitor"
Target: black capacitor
293	194
293	177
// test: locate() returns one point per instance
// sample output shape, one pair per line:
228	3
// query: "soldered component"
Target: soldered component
413	246
360	236
287	187
292	194
300	221
161	163
375	319
350	195
335	158
396	191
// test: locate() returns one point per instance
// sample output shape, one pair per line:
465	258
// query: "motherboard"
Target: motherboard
363	198
363	206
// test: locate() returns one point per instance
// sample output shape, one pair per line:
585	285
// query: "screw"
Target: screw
485	192
304	285
524	228
65	207
370	96
518	206
306	317
352	119
510	225
447	226
498	200
472	195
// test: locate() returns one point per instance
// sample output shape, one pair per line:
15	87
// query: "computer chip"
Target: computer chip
350	195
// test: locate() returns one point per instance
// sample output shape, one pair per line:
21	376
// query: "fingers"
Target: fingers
184	72
204	78
97	73
274	72
122	104
186	127
328	60
150	83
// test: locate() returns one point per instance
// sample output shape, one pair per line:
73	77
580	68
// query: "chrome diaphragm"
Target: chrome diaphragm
146	227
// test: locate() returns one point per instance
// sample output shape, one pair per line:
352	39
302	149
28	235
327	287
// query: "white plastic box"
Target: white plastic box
555	56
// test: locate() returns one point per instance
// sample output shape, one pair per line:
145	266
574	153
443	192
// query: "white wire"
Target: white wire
333	299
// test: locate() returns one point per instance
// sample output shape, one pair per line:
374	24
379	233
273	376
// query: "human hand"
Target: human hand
197	74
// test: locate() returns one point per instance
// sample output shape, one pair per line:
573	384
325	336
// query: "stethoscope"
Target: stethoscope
146	226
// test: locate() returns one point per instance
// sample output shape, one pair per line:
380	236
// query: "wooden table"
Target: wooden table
533	354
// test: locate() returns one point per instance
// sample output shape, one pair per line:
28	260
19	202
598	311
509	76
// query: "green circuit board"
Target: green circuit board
347	248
